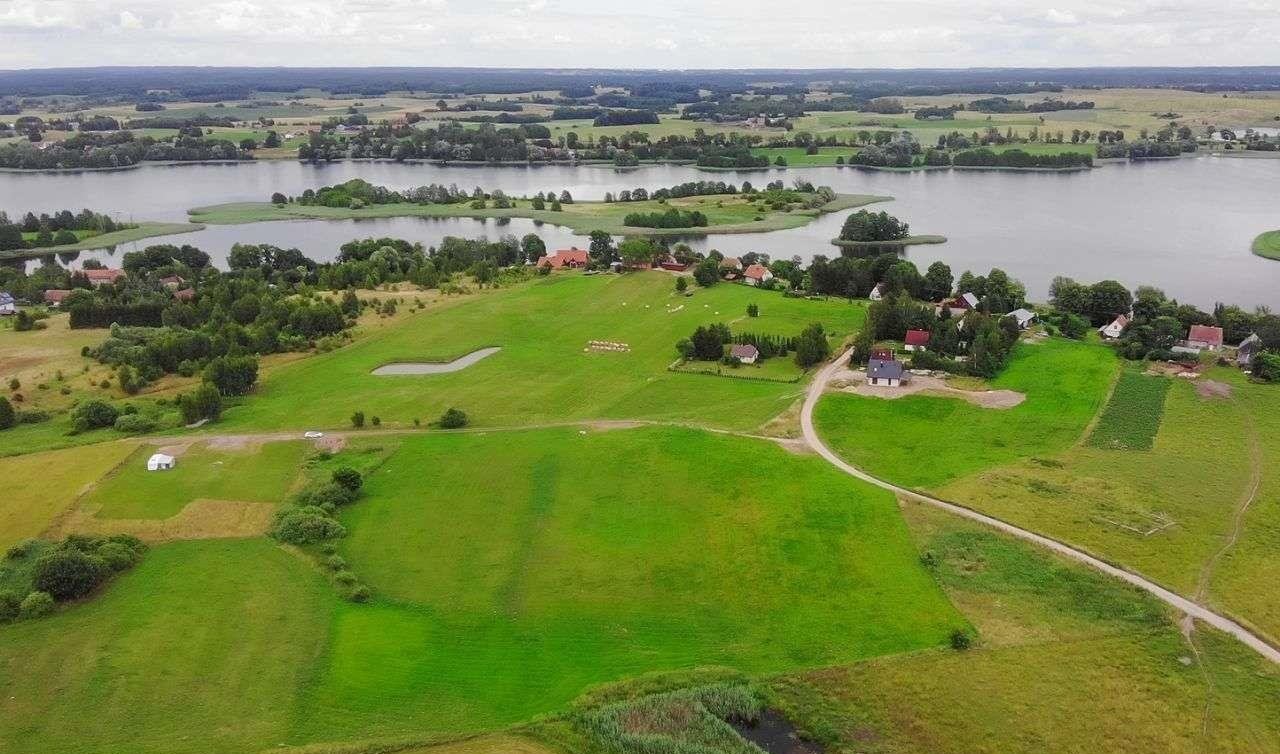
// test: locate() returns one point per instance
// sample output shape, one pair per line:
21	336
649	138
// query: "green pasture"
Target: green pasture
544	372
730	213
1267	245
924	441
255	474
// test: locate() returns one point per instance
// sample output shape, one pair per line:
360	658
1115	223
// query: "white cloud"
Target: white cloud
658	33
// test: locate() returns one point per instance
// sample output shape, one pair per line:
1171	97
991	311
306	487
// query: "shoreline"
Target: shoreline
110	240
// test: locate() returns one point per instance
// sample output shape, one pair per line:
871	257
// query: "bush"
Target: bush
119	556
331	494
453	419
336	563
93	414
360	594
68	572
348	477
305	525
357	420
232	375
205	402
134	424
7	416
36	605
345	577
960	640
10	606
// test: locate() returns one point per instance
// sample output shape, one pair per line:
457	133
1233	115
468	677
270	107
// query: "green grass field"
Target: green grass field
39	486
925	441
255	474
1267	245
796	156
725	214
543	372
1132	415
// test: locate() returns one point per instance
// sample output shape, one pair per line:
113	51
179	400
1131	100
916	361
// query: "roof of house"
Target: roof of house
55	295
186	294
916	337
160	458
885	369
103	275
566	257
744	351
757	272
172	280
1251	343
880	287
964	300
1206	334
6	297
1022	315
733	262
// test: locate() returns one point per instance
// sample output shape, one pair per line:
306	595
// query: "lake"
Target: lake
1183	225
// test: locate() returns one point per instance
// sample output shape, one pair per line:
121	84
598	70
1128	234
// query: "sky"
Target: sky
649	34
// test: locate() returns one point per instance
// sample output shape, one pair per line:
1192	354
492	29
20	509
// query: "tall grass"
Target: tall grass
686	721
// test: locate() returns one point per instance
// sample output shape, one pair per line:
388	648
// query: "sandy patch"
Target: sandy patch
855	381
234	442
331	443
176	450
1210	389
607	425
199	519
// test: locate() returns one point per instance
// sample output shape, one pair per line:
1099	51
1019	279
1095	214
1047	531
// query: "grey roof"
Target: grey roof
1022	315
970	299
6	297
1250	343
884	369
744	350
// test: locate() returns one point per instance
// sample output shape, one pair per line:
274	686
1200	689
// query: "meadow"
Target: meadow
734	213
1267	245
40	486
924	442
511	571
544	372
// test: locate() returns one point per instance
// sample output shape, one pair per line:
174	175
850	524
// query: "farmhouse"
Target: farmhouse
757	274
54	296
730	263
1247	349
916	340
161	462
1115	329
7	304
1205	336
878	292
1024	317
746	353
103	277
566	258
671	264
958	306
886	373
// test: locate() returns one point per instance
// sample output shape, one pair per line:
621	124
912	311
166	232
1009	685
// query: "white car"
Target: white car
313	435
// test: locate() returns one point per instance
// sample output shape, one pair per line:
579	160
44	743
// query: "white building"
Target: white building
161	462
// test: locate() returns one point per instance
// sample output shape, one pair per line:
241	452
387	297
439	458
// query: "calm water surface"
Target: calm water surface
1184	225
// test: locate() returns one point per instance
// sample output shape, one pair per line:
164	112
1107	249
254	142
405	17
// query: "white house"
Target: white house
885	372
1115	329
878	291
757	274
7	304
746	353
1024	317
161	462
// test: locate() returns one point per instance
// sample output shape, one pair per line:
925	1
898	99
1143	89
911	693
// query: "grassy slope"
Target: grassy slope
256	474
39	486
726	214
1068	661
512	570
542	373
201	648
924	441
1267	245
104	240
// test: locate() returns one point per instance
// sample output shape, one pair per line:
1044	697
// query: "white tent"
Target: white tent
160	461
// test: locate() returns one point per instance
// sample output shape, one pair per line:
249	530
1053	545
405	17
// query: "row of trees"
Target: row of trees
116	149
47	230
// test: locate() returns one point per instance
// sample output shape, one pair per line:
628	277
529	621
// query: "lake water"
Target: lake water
1183	225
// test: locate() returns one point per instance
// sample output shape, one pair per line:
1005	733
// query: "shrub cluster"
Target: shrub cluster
48	572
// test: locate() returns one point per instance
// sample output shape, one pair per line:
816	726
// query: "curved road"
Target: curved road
1192	609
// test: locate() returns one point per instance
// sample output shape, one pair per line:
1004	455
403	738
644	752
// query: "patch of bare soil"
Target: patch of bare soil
856	383
200	519
331	443
1210	389
606	425
176	450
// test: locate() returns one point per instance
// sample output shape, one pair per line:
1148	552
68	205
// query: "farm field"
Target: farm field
40	486
543	329
924	442
510	572
1062	655
256	473
1131	417
725	214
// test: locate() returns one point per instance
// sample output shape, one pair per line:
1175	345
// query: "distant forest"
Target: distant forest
213	84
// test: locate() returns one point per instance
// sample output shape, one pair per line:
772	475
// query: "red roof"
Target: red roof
1206	334
186	294
55	295
757	272
566	258
103	276
916	337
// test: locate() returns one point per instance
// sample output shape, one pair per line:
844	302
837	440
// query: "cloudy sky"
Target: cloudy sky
651	34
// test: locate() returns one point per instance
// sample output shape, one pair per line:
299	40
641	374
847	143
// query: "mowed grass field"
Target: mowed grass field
40	486
257	474
736	213
511	570
925	441
1065	660
543	372
1267	245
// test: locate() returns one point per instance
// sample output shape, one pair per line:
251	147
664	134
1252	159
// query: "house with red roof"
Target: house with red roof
757	274
1205	337
916	340
1115	328
958	306
566	258
54	296
103	277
